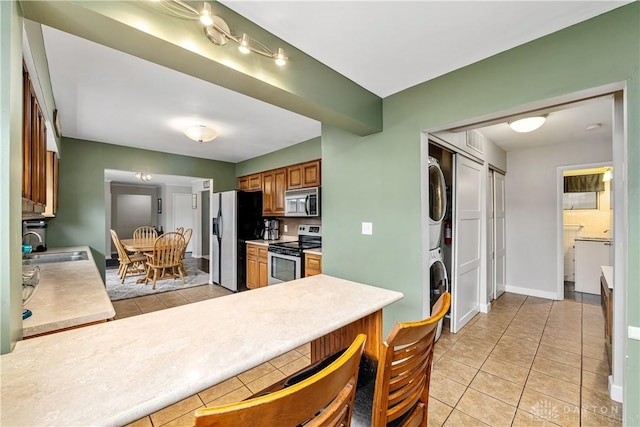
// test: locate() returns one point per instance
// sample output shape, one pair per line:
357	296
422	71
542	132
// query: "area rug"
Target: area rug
131	289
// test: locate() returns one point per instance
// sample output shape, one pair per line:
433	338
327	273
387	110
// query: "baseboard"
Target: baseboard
531	292
615	391
485	308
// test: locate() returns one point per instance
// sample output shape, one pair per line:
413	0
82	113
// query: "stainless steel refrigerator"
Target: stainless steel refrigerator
236	218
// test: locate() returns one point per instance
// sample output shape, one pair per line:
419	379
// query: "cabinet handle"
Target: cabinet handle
607	243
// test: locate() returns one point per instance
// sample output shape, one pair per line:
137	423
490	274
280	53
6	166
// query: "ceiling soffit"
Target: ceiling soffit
304	85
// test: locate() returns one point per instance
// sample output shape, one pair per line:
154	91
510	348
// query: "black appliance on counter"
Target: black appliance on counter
285	258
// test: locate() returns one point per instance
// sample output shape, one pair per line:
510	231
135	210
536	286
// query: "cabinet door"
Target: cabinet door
255	182
52	184
267	193
311	174
243	183
252	267
263	273
294	177
280	186
312	265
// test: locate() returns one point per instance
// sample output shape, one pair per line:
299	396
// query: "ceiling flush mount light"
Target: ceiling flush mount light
144	177
528	124
218	32
200	133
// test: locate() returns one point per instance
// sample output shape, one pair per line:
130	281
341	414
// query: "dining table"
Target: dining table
134	245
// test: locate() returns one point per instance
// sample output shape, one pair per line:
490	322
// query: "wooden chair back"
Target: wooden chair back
404	370
129	264
168	250
145	234
123	256
187	236
180	230
324	399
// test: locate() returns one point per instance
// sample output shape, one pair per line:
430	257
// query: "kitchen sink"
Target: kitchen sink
45	258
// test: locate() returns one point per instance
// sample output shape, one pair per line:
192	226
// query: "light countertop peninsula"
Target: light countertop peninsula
69	294
314	251
116	372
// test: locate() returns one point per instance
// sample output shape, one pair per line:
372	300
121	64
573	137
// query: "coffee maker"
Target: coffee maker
274	229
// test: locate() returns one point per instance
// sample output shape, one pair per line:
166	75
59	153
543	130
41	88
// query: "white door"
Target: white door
183	214
465	288
499	235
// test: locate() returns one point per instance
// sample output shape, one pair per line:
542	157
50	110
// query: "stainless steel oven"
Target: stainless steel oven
284	265
284	262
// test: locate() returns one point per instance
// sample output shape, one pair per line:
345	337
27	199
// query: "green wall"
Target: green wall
377	178
302	152
80	219
10	175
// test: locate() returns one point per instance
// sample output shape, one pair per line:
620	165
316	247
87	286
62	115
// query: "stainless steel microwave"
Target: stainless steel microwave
303	202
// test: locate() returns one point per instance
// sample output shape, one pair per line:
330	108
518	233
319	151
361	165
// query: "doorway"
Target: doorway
586	213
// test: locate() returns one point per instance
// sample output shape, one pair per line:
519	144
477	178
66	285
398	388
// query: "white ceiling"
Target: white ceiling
384	46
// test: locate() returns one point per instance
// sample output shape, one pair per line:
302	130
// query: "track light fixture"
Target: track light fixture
218	32
144	177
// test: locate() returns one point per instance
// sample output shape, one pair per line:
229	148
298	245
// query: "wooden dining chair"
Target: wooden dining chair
323	399
145	233
187	238
164	261
180	230
129	264
401	393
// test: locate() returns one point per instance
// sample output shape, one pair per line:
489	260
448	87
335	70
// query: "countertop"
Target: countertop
314	251
69	294
262	242
116	372
607	272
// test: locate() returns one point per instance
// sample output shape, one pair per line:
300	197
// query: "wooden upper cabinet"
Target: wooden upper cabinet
250	182
52	184
34	148
304	175
274	184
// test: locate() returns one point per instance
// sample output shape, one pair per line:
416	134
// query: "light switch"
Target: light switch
367	228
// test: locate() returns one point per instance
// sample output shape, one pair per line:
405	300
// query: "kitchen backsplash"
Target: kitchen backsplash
293	223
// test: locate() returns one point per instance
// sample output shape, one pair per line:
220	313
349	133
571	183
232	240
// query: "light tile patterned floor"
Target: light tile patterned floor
529	362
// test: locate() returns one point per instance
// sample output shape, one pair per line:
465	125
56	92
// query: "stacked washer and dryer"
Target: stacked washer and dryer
438	280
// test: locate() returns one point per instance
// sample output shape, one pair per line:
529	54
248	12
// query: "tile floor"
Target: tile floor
529	362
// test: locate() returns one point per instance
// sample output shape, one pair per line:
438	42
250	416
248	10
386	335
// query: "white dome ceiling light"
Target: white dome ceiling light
528	124
201	133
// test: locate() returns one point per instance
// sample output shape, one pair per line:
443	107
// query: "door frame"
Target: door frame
619	149
560	218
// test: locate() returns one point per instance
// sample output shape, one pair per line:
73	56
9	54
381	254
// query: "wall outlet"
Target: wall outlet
367	228
286	228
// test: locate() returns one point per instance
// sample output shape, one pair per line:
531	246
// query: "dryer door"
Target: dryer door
437	194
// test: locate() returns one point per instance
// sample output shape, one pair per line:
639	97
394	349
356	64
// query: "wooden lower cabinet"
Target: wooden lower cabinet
312	264
257	274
